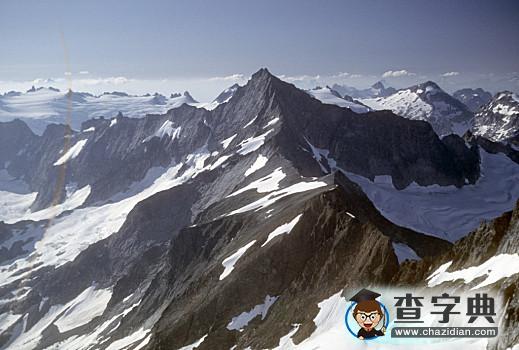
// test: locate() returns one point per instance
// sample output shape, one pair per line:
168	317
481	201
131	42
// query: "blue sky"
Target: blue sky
307	42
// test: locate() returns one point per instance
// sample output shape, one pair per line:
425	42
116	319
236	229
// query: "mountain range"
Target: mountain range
247	225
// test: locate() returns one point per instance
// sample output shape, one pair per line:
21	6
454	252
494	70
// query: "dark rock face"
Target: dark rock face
14	137
375	143
300	268
474	99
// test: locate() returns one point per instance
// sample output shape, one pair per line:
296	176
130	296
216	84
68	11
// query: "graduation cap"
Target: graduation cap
364	295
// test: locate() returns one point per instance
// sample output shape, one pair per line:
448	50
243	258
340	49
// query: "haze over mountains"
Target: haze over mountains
247	225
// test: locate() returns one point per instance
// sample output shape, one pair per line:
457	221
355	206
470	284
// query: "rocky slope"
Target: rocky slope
498	120
474	99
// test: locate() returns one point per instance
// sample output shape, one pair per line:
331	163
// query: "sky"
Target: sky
205	46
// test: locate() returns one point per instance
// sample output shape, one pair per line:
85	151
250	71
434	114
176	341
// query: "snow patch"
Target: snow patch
225	143
229	262
268	183
251	121
495	268
285	228
85	307
258	164
242	320
273	197
195	344
251	144
72	153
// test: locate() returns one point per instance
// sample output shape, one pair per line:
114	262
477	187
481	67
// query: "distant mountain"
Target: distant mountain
226	94
330	96
376	90
474	99
41	106
223	97
498	120
427	101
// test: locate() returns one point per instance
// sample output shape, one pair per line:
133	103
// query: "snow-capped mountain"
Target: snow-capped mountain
330	96
427	102
241	227
474	99
40	106
498	120
376	90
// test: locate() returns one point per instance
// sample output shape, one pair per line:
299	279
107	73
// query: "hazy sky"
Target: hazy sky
136	45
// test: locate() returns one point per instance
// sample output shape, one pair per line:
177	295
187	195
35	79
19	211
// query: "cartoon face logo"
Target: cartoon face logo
368	313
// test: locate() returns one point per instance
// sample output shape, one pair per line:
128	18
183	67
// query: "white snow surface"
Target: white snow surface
166	129
242	320
285	228
410	104
71	153
29	338
45	106
325	95
446	211
18	206
225	143
257	165
7	319
251	121
195	345
331	334
68	235
268	183
271	122
273	197
88	341
85	307
125	342
229	262
495	268
251	144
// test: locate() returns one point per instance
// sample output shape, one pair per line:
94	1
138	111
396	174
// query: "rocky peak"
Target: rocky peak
474	99
498	120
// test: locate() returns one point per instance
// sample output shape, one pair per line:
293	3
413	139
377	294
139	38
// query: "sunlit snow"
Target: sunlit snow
285	228
229	262
495	268
72	153
258	164
268	183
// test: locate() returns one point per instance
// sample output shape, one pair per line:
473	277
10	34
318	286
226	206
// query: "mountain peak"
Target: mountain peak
378	85
263	73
